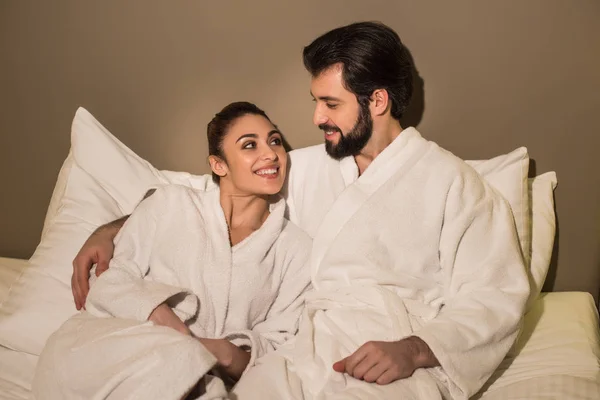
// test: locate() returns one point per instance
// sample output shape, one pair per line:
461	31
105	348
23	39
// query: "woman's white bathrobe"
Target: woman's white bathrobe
175	248
417	245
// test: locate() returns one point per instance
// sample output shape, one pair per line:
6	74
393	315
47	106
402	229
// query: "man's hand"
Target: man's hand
385	362
98	249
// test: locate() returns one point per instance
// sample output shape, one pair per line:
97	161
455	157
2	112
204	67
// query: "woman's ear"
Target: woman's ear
380	102
218	165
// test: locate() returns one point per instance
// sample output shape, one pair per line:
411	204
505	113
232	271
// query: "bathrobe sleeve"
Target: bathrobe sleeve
486	286
281	322
124	291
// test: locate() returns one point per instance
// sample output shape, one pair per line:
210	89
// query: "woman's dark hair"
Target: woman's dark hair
372	56
219	126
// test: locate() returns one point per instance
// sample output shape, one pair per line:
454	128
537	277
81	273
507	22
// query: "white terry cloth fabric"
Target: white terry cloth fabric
417	245
175	248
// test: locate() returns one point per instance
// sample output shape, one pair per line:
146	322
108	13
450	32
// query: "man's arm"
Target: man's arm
485	294
98	249
486	289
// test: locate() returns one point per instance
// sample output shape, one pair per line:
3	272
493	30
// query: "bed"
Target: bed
556	356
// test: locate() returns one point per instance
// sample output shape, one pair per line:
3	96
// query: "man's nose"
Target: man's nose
319	117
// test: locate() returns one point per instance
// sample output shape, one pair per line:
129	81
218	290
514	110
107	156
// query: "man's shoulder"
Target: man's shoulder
446	160
308	155
308	162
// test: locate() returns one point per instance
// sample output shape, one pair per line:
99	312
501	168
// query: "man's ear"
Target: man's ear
380	102
218	165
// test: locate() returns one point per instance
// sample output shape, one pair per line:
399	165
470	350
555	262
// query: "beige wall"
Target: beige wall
496	75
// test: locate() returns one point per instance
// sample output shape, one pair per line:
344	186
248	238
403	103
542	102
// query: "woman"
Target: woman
201	284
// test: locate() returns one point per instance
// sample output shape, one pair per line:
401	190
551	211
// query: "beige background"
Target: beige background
495	75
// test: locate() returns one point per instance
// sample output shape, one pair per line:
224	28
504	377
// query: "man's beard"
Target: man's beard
354	141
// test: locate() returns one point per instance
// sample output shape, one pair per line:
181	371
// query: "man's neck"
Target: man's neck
382	137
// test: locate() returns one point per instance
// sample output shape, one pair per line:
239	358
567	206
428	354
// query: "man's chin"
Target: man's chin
334	151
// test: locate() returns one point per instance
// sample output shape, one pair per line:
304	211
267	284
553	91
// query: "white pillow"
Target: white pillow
507	173
58	192
543	229
100	181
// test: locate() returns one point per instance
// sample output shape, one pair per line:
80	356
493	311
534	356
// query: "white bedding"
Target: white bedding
556	357
16	374
16	369
557	354
10	269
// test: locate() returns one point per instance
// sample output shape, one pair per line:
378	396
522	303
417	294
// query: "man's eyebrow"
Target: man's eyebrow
326	98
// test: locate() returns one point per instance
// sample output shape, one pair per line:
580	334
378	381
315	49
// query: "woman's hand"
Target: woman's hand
232	359
163	315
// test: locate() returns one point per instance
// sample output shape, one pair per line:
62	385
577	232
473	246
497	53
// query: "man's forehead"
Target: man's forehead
331	74
328	83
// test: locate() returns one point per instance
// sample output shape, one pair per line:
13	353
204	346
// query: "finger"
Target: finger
79	298
364	366
101	267
82	276
354	359
389	376
375	372
340	366
75	297
75	285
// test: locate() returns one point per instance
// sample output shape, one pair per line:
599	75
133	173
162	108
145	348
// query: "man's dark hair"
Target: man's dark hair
372	57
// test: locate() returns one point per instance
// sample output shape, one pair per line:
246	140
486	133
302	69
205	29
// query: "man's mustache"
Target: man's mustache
330	128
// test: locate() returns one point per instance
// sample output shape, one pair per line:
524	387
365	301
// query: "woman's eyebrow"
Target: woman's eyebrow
255	136
245	135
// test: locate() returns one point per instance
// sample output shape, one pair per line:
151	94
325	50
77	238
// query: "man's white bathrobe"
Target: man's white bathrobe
417	245
175	248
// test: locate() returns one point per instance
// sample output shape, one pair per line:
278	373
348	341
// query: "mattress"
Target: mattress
16	374
16	369
556	356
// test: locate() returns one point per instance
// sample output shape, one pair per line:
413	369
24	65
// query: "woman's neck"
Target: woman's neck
242	211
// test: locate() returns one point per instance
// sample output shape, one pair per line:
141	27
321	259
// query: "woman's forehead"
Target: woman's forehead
251	123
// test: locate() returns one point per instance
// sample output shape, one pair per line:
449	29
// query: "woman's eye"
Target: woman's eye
249	145
276	142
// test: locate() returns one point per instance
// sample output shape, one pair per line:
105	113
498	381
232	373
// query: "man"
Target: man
419	283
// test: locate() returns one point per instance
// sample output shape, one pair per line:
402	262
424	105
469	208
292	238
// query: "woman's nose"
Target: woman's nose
269	154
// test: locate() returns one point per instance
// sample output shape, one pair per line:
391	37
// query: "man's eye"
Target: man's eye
331	106
249	145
